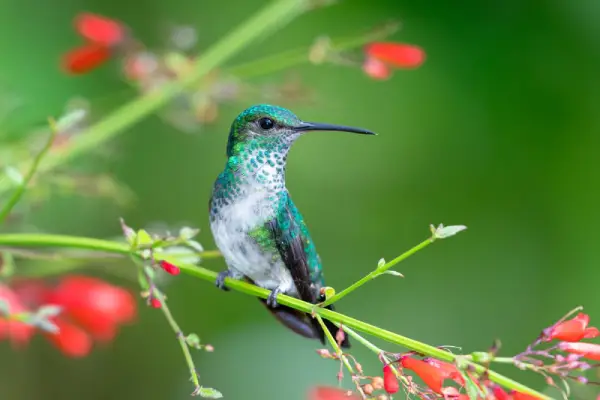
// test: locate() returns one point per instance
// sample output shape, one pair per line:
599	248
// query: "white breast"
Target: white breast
242	254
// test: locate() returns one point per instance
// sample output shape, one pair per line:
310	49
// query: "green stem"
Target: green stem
339	352
42	240
373	274
178	332
14	199
265	20
376	350
290	58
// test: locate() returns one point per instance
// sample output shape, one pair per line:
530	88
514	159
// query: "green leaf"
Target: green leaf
193	340
481	357
394	273
442	232
329	292
48	311
7	265
186	233
13	175
129	233
208	393
144	239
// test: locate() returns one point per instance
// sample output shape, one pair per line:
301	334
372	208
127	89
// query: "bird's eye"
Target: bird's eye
266	123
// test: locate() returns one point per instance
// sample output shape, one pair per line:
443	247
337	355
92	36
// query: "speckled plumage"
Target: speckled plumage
256	225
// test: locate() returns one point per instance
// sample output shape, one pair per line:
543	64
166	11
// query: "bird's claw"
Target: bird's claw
220	282
272	299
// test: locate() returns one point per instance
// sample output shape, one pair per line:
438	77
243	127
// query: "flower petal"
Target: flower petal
587	350
85	58
329	393
70	339
399	55
431	376
100	30
376	69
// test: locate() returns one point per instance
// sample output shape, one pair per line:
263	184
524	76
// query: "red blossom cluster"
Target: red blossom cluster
90	310
103	35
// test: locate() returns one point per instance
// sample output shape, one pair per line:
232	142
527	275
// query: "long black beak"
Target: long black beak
316	126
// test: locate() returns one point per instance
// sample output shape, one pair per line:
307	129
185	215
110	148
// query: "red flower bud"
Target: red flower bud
572	330
432	376
522	396
155	303
587	350
330	393
170	268
70	339
398	55
390	382
85	58
100	30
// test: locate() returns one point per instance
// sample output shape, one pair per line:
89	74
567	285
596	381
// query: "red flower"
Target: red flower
100	30
572	330
170	268
85	58
91	309
500	394
381	57
102	35
330	393
155	303
449	370
522	396
431	376
390	382
587	350
95	305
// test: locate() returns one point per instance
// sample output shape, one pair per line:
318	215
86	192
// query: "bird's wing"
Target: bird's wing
294	245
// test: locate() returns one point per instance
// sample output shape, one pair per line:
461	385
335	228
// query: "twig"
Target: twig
16	196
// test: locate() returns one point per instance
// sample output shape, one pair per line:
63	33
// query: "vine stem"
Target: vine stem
14	199
43	240
380	270
178	332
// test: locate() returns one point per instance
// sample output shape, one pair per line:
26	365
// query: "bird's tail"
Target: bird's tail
304	324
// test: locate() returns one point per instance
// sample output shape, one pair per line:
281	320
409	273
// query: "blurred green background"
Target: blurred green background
495	131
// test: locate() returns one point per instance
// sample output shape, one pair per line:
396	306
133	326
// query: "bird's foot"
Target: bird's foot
272	299
220	282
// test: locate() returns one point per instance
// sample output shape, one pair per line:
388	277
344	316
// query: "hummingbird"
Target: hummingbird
256	225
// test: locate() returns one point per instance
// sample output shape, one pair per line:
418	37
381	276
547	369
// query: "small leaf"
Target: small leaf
71	119
193	340
7	265
129	233
381	263
47	325
442	232
328	291
394	273
186	233
208	393
14	175
481	357
4	308
195	245
144	239
48	311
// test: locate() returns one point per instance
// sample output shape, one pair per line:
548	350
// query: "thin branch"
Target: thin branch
41	240
16	196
